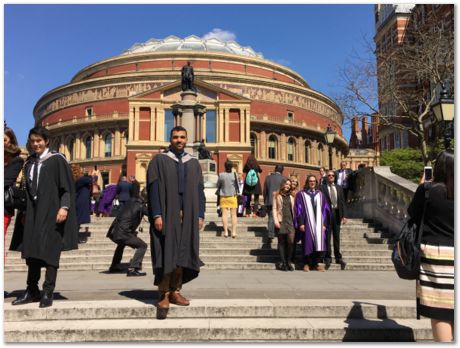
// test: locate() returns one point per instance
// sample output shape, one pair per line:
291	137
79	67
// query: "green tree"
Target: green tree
407	163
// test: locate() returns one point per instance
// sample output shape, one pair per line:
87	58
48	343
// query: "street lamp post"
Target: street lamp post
330	135
444	112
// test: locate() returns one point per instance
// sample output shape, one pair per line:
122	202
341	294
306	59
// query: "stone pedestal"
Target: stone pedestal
210	176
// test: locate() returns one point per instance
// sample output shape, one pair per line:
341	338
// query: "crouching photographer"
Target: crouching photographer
123	232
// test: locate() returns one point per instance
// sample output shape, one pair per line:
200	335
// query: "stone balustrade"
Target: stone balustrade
382	196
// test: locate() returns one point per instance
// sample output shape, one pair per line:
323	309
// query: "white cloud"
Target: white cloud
222	35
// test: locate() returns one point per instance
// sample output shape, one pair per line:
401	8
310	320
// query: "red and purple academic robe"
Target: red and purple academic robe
312	210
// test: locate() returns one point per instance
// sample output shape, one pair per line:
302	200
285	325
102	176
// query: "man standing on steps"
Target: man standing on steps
271	185
176	212
336	200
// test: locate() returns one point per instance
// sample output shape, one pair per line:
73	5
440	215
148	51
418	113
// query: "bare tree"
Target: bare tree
400	85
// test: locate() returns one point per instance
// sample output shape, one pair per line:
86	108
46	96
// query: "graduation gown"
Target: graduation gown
41	237
177	245
314	217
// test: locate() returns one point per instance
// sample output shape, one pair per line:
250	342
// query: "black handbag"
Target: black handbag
15	196
406	250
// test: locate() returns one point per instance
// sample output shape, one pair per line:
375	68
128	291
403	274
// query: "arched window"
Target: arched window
254	144
307	151
291	149
88	147
108	145
272	144
320	154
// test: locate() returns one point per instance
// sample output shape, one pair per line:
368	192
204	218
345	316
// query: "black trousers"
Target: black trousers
248	203
271	223
135	243
314	258
33	275
335	235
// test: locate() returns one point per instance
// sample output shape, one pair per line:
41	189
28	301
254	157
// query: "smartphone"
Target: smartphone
428	173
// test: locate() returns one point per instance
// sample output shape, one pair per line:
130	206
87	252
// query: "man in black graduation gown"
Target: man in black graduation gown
176	213
50	218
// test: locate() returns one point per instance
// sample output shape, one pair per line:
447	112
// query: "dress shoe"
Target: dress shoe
27	297
176	298
46	300
234	236
163	302
290	266
135	273
306	268
342	264
319	268
327	264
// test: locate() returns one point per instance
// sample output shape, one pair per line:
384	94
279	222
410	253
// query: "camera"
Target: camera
428	173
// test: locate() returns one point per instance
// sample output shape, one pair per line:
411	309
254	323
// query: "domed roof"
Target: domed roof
192	43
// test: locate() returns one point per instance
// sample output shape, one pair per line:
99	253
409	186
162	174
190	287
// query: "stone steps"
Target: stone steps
217	320
218	265
205	257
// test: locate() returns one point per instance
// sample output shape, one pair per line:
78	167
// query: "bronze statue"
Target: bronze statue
203	152
187	78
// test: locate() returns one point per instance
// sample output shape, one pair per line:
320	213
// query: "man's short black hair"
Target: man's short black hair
228	166
177	129
41	132
279	168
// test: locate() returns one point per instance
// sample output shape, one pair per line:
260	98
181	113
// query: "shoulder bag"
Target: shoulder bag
237	191
15	196
406	250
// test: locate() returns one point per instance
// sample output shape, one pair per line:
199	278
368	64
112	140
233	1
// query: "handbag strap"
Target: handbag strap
237	187
427	186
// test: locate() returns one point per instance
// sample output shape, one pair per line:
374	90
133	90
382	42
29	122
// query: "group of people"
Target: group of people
312	215
176	211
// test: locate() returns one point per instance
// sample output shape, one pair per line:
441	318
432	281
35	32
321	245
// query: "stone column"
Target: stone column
116	143
78	146
136	123
263	145
282	147
96	143
131	124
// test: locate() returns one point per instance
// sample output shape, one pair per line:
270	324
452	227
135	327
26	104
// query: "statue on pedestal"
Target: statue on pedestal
203	152
188	77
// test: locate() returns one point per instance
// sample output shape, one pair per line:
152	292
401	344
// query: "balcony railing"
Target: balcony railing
90	119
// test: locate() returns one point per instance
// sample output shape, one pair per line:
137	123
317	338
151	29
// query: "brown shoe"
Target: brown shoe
306	268
163	302
320	268
176	298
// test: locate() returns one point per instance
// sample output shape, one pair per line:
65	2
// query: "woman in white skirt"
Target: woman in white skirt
435	286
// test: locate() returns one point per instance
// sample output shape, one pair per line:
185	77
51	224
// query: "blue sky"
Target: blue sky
46	45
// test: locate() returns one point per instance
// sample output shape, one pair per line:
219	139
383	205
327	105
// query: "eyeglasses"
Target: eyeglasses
312	181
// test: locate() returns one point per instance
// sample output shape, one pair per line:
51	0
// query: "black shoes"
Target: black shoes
327	264
342	264
135	273
46	300
289	266
28	297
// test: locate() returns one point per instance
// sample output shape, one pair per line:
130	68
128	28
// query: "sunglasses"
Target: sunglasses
331	175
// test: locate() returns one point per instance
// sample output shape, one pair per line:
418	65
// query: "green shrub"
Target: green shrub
407	163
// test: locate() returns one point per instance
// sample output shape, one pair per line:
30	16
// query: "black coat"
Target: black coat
340	199
41	237
11	173
256	189
178	244
83	203
128	219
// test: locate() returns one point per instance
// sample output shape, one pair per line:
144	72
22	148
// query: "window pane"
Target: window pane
210	126
88	147
169	123
108	146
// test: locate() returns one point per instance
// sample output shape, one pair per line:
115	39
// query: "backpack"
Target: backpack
251	178
406	250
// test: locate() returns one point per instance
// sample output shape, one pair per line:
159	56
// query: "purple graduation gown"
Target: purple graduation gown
314	237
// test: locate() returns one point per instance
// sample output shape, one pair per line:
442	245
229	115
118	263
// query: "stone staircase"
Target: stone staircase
364	247
211	320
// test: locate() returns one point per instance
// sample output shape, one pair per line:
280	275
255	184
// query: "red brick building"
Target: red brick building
117	112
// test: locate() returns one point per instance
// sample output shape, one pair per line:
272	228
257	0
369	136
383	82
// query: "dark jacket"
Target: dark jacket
272	183
341	206
438	225
11	173
124	191
348	173
127	221
256	189
83	195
